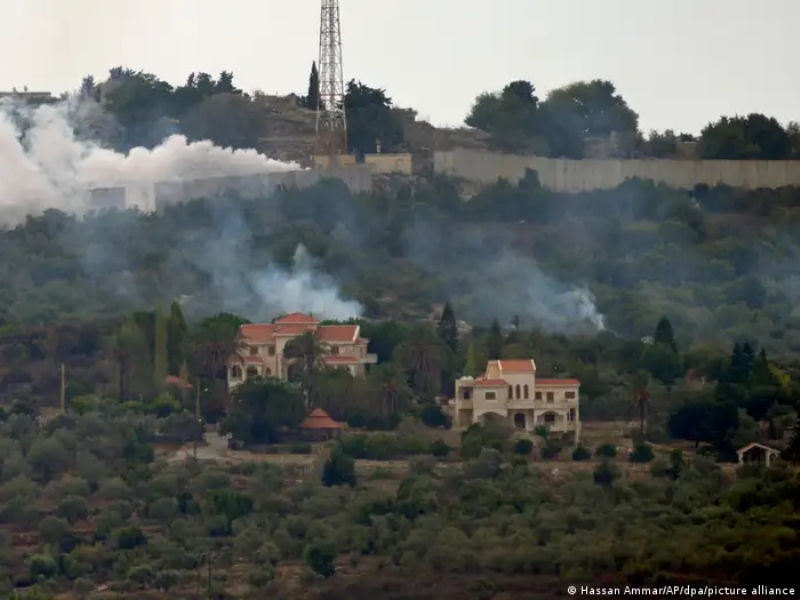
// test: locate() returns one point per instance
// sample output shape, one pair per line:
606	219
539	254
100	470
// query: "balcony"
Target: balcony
371	359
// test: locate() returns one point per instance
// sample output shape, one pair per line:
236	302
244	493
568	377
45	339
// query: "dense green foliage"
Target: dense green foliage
95	506
571	116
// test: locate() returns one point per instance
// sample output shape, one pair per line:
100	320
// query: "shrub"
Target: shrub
523	447
339	469
605	474
319	556
642	453
550	450
606	451
439	448
581	453
433	416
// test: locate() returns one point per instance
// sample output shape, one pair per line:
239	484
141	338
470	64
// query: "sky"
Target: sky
679	63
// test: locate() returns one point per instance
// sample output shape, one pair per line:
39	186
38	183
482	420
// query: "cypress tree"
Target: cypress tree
447	328
160	352
494	341
312	98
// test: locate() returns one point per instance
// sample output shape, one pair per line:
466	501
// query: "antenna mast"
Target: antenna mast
331	128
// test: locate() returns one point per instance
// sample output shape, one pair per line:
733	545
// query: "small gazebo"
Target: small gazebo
757	454
319	426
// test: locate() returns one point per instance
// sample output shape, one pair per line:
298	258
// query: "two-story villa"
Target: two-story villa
261	347
509	391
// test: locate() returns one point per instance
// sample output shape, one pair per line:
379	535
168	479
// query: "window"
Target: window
491	396
525	391
538	395
252	372
550	417
466	393
551	396
236	372
518	394
334	349
271	350
253	350
571	414
268	371
569	395
510	392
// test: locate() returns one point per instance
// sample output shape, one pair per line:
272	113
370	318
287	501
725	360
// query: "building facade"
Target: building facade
261	348
509	392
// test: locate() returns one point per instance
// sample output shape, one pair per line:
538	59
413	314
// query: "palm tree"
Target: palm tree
392	388
641	398
422	356
307	353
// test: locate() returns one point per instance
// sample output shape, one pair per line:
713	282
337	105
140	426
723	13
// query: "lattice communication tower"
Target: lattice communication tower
331	128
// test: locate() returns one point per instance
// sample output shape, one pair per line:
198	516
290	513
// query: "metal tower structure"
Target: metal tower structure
331	128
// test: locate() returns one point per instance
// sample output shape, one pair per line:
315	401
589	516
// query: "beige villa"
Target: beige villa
261	347
510	392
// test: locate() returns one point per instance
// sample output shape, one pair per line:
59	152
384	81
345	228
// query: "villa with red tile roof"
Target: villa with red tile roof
262	345
509	392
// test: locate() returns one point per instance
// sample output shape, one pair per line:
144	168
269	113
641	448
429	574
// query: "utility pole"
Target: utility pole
331	126
196	418
63	396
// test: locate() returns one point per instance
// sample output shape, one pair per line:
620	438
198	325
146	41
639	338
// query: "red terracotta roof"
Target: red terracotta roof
516	365
177	381
338	333
265	333
555	382
257	333
319	419
490	383
297	318
291	330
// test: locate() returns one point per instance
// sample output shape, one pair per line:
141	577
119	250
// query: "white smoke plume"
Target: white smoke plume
44	165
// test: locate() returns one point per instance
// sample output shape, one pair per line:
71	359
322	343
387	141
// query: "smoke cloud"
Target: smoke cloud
489	279
44	165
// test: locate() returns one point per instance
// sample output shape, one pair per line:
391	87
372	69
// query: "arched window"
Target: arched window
510	392
525	391
518	392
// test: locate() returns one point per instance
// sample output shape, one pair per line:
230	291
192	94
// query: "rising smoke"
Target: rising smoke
43	165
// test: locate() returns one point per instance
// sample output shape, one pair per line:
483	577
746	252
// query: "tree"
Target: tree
177	339
262	408
447	328
664	334
754	137
641	399
471	366
339	469
312	98
510	116
422	356
160	351
320	557
370	120
582	110
495	341
308	354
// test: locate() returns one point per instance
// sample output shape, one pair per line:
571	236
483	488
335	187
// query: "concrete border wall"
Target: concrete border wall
564	175
148	198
